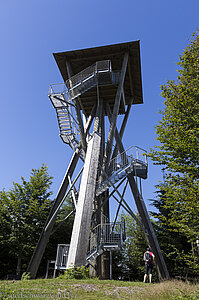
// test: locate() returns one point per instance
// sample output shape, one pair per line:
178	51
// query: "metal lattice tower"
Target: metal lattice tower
99	83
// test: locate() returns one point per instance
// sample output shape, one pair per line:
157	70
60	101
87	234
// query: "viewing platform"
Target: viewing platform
106	237
133	160
106	61
100	73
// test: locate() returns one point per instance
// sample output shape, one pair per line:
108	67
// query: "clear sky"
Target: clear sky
31	30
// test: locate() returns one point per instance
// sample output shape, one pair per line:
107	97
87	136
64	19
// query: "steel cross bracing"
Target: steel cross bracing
102	169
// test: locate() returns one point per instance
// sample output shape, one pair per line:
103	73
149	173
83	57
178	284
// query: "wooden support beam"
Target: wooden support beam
45	235
82	222
123	126
115	113
90	120
151	237
130	77
98	119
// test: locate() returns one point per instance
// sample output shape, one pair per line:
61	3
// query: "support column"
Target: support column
122	129
81	228
115	112
150	236
105	260
45	235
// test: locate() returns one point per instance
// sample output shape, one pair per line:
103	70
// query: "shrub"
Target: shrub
76	273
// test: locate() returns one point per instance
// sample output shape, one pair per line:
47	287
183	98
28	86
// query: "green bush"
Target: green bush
76	273
25	276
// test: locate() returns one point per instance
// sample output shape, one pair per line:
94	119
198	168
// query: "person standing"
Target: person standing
149	258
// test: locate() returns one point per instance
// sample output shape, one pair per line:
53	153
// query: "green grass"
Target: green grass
96	289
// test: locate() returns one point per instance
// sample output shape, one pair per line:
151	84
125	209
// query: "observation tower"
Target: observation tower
98	85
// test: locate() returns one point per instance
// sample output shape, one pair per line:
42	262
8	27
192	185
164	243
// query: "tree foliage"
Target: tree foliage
173	243
128	264
24	209
178	131
23	213
178	152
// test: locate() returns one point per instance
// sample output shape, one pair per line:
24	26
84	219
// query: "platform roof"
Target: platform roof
83	58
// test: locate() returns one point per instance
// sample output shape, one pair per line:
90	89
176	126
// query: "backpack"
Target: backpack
147	257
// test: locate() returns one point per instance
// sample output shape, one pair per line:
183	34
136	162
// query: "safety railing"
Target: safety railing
62	256
57	88
88	73
99	73
129	157
134	160
107	235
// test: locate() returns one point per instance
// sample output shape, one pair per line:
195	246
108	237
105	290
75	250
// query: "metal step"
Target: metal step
94	254
65	119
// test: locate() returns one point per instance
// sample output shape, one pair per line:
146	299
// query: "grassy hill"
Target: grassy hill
96	289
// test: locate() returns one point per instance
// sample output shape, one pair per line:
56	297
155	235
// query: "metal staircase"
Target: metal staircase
106	237
99	73
67	123
134	160
62	96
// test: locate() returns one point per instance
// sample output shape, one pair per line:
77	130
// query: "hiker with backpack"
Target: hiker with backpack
149	258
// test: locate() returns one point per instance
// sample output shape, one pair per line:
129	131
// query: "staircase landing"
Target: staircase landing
133	160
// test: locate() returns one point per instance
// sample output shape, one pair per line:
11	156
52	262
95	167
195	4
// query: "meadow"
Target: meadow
97	289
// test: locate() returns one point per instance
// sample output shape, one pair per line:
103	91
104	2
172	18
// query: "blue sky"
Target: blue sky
31	30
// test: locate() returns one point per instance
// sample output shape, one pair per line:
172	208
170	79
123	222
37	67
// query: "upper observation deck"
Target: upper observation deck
81	61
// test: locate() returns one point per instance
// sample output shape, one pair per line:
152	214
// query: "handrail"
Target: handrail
107	233
122	159
99	66
62	89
